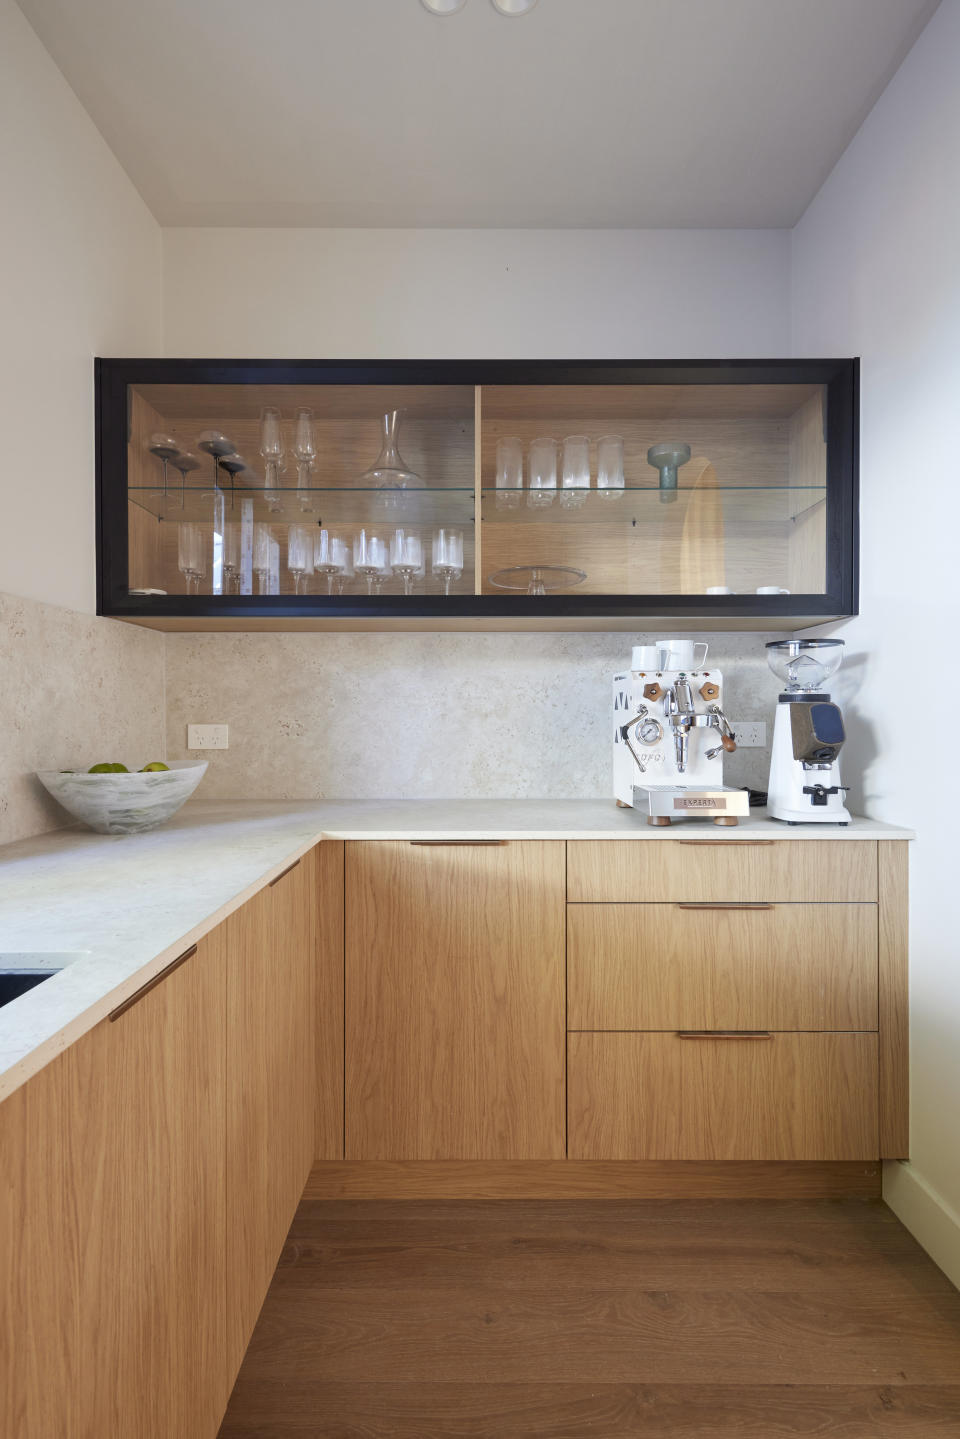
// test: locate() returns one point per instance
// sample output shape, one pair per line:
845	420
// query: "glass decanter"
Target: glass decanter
390	471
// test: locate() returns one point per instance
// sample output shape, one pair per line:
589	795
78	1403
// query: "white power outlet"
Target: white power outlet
751	734
208	736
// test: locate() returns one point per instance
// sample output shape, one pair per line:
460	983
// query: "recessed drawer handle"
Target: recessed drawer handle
456	843
283	874
136	997
724	841
725	906
724	1034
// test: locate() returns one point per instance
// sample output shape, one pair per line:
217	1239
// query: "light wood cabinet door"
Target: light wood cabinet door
661	871
455	1000
674	966
661	1096
329	960
112	1224
271	1017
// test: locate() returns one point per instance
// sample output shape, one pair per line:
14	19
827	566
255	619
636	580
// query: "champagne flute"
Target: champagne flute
263	543
299	554
231	558
406	557
191	555
305	450
447	556
271	448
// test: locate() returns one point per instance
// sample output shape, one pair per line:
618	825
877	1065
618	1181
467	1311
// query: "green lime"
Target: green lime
108	769
154	764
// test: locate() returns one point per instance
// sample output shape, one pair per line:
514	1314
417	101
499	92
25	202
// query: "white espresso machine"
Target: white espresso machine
808	735
670	735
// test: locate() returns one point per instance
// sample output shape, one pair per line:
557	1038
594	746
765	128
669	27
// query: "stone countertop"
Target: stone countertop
130	904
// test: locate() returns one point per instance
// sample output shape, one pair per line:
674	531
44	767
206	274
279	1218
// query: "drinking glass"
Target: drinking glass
576	470
263	543
542	470
509	472
271	448
406	557
299	554
231	558
191	555
610	466
329	556
305	449
370	559
447	556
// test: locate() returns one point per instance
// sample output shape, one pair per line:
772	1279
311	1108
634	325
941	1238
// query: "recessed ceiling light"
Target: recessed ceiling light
513	7
444	7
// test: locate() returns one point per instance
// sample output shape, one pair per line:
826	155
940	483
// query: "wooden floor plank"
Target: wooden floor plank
670	1319
527	1411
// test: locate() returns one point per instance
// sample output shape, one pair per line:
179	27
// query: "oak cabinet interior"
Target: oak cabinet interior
766	498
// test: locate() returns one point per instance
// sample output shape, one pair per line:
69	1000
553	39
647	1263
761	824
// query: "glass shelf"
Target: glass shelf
447	506
649	506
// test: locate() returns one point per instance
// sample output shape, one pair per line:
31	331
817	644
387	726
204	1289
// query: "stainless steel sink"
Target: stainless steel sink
22	971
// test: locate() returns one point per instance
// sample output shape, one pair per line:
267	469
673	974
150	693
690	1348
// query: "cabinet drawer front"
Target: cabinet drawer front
662	1096
661	870
666	966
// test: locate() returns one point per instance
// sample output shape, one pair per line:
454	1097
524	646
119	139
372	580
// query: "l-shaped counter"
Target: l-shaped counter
128	905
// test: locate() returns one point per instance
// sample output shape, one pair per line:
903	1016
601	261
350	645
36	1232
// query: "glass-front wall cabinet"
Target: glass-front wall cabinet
707	492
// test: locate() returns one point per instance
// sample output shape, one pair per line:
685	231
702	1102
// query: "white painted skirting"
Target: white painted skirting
928	1216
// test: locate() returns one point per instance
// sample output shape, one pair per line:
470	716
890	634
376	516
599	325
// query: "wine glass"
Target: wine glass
299	554
186	462
271	448
191	555
166	449
610	466
305	450
447	556
406	557
575	476
263	547
213	443
370	559
509	472
542	467
329	556
231	558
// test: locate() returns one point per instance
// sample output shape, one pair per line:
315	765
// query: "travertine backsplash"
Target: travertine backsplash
74	689
424	715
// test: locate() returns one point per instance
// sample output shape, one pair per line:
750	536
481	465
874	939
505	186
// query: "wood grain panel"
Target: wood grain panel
558	403
329	980
576	1179
700	869
894	1000
659	1096
454	1001
651	966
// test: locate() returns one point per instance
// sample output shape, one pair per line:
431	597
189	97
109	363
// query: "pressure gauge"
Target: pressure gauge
649	731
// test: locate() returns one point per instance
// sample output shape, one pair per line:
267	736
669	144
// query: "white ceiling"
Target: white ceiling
584	113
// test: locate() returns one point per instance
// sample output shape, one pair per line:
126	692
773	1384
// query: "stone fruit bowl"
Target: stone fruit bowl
124	803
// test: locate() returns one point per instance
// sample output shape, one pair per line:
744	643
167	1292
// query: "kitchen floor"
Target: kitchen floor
666	1319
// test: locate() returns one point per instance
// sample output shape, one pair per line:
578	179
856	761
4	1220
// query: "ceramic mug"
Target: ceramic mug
771	590
681	654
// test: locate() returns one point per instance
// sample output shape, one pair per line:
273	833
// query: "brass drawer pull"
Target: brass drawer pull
725	906
452	843
724	841
724	1034
136	997
283	874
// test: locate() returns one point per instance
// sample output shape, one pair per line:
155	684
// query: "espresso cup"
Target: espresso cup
771	590
719	590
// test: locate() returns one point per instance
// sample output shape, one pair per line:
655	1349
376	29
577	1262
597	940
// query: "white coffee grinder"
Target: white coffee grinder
808	734
670	735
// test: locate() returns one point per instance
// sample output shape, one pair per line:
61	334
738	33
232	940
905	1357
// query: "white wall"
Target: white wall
80	259
876	272
476	293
